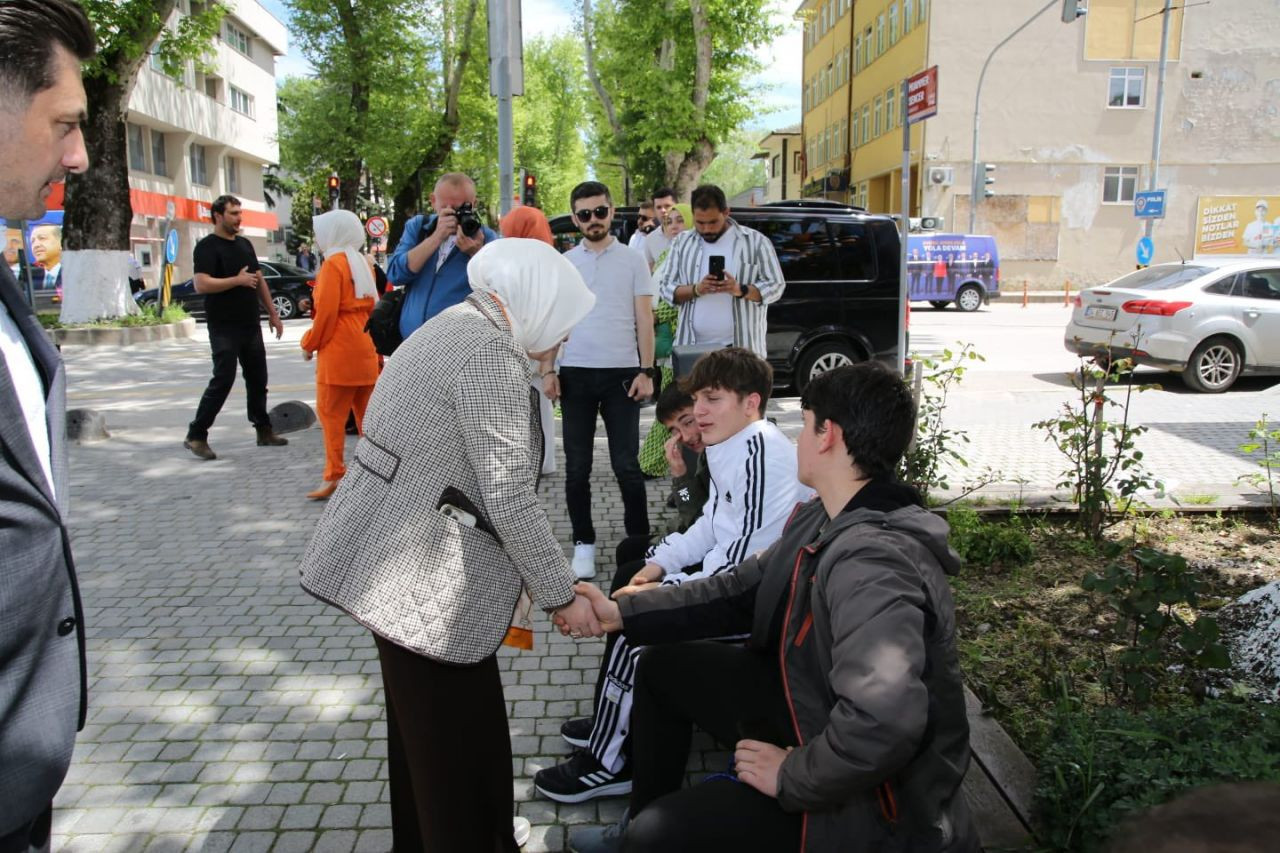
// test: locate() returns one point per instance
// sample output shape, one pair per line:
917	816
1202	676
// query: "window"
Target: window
866	47
199	168
804	248
241	101
908	7
857	53
891	108
236	37
855	250
159	159
866	124
213	88
231	169
846	65
844	136
880	34
797	163
878	114
853	130
832	149
1118	184
137	147
1261	284
1126	87
893	24
924	12
775	166
145	258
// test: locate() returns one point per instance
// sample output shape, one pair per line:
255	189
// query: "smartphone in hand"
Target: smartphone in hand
715	267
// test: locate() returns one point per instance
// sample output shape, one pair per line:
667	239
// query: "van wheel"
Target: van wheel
821	357
939	303
969	298
1214	366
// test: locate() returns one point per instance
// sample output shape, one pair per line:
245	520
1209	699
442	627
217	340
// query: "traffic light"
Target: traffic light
987	180
334	183
529	189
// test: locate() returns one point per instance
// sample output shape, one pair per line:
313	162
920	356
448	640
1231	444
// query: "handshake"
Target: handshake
592	614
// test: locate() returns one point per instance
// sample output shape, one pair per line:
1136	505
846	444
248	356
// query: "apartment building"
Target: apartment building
1067	119
208	132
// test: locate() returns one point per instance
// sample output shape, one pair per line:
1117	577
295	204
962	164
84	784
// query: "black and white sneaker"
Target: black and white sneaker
577	732
581	778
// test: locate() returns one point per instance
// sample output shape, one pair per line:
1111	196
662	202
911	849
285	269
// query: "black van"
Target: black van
841	267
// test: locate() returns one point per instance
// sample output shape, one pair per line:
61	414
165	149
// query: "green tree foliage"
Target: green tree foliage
671	81
734	170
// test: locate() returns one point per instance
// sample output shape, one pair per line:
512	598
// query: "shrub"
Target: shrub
987	543
1100	765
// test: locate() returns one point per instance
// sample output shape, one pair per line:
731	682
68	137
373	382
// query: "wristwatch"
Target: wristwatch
742	291
651	372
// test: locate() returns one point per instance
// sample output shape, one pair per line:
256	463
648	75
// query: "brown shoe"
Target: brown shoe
268	438
324	492
200	448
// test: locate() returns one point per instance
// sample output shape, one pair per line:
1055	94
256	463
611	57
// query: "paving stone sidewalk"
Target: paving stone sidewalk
228	709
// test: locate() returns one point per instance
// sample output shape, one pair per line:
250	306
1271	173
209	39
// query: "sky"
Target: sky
782	59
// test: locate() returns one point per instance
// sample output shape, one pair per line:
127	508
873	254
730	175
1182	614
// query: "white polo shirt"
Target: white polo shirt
607	336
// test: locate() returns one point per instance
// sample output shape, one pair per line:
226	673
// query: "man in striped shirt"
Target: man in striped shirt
720	308
753	491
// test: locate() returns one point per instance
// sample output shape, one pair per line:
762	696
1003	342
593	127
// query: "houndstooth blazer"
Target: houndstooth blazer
452	408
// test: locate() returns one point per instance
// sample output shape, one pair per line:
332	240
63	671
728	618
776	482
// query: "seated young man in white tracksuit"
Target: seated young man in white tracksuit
753	492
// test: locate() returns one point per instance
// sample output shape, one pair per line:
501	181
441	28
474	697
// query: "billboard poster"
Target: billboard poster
1238	225
37	250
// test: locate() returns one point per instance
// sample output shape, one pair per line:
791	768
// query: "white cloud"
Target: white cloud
546	17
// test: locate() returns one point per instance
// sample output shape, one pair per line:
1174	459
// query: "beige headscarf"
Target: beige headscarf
340	231
543	293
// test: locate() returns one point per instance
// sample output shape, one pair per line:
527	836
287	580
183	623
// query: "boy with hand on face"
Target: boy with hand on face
753	491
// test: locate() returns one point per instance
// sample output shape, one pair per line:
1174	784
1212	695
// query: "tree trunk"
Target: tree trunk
403	207
98	212
685	168
606	102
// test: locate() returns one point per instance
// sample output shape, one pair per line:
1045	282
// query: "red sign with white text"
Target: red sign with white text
922	95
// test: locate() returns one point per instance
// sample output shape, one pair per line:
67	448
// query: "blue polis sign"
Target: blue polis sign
1149	205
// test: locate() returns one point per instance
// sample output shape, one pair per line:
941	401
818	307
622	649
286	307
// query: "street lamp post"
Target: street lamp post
1159	116
978	182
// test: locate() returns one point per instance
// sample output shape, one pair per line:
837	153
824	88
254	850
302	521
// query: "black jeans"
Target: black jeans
32	837
584	393
229	346
732	693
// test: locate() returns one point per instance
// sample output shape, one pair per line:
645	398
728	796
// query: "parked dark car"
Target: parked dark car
841	268
290	291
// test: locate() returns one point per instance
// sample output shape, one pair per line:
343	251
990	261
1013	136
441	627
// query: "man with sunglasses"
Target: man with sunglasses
646	223
606	367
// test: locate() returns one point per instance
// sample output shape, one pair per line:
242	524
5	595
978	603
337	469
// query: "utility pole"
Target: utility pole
1159	116
506	79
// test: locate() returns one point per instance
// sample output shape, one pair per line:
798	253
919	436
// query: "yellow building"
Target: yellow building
856	57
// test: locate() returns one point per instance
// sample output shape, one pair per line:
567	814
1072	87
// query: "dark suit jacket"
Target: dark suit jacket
43	683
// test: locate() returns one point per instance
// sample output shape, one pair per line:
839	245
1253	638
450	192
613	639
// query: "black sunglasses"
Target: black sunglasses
601	212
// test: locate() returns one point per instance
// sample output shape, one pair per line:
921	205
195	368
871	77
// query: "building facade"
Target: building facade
1067	118
783	155
209	132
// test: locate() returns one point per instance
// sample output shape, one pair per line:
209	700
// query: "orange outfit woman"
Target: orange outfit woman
347	364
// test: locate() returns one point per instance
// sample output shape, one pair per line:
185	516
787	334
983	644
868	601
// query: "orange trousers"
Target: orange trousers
333	404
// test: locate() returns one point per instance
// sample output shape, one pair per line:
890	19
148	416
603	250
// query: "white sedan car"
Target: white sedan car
1208	320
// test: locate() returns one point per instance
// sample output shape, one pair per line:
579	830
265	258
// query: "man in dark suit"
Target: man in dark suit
42	669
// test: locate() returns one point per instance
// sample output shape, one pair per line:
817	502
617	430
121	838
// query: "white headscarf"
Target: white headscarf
543	293
340	231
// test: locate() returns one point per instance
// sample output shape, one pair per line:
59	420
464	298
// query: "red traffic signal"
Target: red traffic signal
334	183
530	190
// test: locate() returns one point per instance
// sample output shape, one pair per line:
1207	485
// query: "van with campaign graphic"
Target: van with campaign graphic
959	268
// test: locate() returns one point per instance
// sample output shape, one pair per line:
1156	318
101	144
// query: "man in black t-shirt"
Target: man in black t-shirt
227	272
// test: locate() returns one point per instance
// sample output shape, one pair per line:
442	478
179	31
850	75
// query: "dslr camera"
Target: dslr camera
468	222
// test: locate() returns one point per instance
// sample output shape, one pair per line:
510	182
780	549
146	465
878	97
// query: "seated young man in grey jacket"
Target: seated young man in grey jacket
846	707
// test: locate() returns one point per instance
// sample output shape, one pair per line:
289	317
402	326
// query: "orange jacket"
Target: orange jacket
345	353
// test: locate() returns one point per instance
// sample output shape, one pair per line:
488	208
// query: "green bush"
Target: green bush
985	543
1100	765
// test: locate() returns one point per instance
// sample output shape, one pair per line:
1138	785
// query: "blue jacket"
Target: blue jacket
428	292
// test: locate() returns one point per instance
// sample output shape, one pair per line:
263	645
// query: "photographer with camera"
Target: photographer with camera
431	261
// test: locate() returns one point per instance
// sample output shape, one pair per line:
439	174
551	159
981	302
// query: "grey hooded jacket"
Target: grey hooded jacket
866	647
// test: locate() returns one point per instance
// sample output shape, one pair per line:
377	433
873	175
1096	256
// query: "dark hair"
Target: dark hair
646	204
29	30
587	189
873	407
663	192
733	369
709	197
219	206
1231	817
671	402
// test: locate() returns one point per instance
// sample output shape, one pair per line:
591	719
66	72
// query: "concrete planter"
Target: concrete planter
122	336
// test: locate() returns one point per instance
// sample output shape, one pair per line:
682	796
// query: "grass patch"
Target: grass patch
1199	500
147	317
